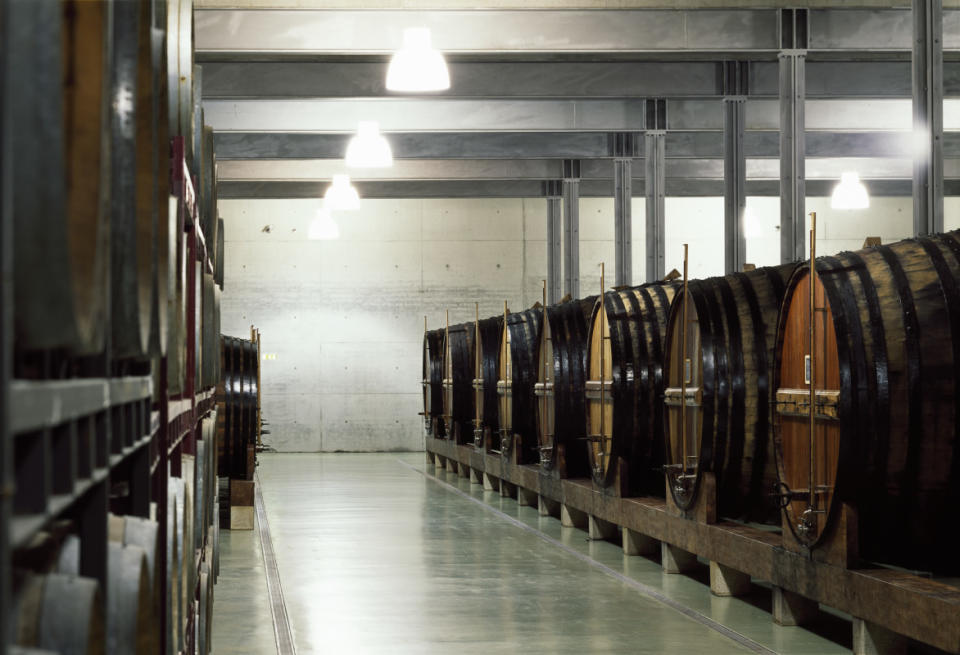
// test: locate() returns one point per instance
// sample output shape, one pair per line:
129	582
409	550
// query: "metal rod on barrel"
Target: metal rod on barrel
477	391
603	348
813	357
683	367
546	362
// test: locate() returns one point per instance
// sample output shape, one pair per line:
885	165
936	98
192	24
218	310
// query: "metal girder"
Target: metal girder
571	228
928	111
623	220
558	79
541	115
735	183
792	156
546	145
554	250
226	34
675	188
655	187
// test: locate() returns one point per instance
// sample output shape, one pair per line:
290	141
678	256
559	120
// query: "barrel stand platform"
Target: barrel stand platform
888	605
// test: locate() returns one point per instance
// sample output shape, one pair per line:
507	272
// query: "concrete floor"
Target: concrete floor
376	557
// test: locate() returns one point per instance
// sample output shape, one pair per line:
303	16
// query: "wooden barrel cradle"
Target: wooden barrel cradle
886	378
561	375
132	193
624	388
60	72
457	379
718	391
57	612
517	376
433	382
486	421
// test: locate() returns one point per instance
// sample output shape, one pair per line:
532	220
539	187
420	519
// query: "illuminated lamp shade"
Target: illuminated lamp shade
369	149
850	193
341	195
323	227
417	66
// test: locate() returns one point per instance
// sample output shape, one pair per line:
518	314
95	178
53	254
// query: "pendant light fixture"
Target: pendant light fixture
417	67
850	193
323	227
341	195
369	149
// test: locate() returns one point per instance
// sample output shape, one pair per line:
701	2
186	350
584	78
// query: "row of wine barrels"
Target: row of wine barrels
188	574
180	70
515	385
433	382
624	388
559	390
175	558
486	421
56	612
885	435
218	262
721	340
240	368
457	379
209	218
209	353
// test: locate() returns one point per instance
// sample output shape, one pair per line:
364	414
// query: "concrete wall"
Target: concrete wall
345	317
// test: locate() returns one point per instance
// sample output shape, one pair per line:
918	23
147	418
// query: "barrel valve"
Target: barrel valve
807	525
428	428
478	438
546	454
504	441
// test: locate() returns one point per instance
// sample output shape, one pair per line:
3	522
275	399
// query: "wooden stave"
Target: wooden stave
60	228
57	612
490	333
632	438
524	342
133	154
177	317
875	283
221	245
458	418
741	312
184	77
174	557
568	327
209	332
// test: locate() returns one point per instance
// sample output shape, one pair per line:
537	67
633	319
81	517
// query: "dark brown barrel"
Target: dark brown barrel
433	382
57	612
721	387
486	415
209	221
59	72
457	378
886	369
177	345
239	366
132	194
561	375
165	249
220	249
516	379
624	389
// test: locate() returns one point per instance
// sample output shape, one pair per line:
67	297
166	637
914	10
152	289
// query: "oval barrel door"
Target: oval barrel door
545	393
683	398
808	443
505	387
599	396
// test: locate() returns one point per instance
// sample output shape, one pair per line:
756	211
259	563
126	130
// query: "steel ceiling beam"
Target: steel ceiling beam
569	145
278	34
363	79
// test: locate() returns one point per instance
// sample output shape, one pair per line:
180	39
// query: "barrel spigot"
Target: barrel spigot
478	438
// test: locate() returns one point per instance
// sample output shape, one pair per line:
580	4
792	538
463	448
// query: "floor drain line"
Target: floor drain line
278	607
646	590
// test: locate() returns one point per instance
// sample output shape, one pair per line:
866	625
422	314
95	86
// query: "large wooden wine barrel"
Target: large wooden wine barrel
143	533
624	388
718	390
561	375
177	347
886	378
174	564
59	71
516	378
433	382
457	378
486	419
240	365
132	194
209	220
57	612
188	574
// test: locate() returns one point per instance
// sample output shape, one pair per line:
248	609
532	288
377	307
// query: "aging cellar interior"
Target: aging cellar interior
549	326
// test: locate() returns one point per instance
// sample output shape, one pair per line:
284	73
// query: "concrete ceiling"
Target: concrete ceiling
283	89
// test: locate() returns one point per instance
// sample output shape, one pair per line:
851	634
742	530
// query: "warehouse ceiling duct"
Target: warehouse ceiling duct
323	227
417	66
850	193
369	148
341	195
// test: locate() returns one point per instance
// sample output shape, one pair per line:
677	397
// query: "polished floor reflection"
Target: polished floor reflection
376	557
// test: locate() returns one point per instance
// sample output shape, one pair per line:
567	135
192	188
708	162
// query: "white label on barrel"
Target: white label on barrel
806	369
687	370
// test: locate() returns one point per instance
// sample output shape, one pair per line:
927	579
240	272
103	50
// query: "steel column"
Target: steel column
654	142
928	116
792	156
734	166
623	220
554	231
571	228
6	316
